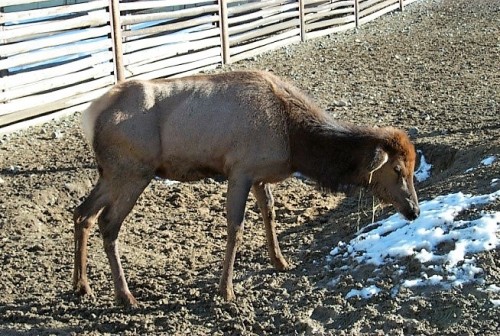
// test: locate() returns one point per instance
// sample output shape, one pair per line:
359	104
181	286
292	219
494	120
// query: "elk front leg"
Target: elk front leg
84	218
237	194
265	201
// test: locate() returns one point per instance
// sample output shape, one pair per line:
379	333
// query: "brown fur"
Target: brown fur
252	127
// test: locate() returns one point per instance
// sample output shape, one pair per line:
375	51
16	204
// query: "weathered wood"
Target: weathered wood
96	18
254	46
137	5
258	24
52	41
178	14
173	26
48	54
190	39
263	31
321	15
325	7
340	21
46	102
35	76
3	72
149	42
265	13
44	13
364	19
137	69
116	37
252	6
97	71
375	5
15	2
181	71
303	36
17	124
165	51
161	70
356	13
35	118
265	46
224	34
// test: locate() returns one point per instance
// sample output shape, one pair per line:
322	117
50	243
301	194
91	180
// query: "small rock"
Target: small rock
413	132
57	134
340	103
35	248
14	169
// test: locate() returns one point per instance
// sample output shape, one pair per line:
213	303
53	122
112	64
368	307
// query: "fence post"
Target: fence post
224	31
302	20
401	5
116	37
356	12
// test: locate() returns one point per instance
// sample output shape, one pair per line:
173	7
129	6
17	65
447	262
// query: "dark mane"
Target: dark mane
337	154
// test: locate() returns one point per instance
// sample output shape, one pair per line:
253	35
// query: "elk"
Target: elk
250	126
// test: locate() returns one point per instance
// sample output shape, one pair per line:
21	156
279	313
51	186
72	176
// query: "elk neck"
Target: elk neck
336	155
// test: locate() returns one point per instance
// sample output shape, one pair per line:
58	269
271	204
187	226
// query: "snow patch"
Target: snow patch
424	169
488	161
444	245
364	293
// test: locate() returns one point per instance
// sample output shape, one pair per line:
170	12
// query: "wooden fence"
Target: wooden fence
57	57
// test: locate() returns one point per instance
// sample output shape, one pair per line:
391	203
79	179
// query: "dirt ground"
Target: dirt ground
432	70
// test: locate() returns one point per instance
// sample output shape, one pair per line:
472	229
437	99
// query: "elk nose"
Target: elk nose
413	213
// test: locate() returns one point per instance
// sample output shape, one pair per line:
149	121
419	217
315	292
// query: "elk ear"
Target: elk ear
379	159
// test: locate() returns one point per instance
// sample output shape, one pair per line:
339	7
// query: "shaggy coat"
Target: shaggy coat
251	127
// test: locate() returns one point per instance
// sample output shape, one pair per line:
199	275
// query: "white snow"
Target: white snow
493	288
167	182
441	243
488	161
364	293
424	169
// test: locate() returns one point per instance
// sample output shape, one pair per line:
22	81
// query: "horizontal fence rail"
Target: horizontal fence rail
169	40
56	56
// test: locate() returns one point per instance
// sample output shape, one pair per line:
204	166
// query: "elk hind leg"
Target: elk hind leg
265	201
84	218
237	194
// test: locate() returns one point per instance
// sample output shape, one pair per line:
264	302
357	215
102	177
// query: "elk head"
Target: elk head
391	177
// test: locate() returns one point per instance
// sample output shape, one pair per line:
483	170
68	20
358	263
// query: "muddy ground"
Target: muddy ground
432	70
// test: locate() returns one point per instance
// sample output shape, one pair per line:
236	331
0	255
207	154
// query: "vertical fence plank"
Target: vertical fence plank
302	20
356	12
116	35
224	31
401	5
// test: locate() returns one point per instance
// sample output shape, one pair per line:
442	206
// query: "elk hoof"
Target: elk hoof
82	288
227	293
281	264
126	300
